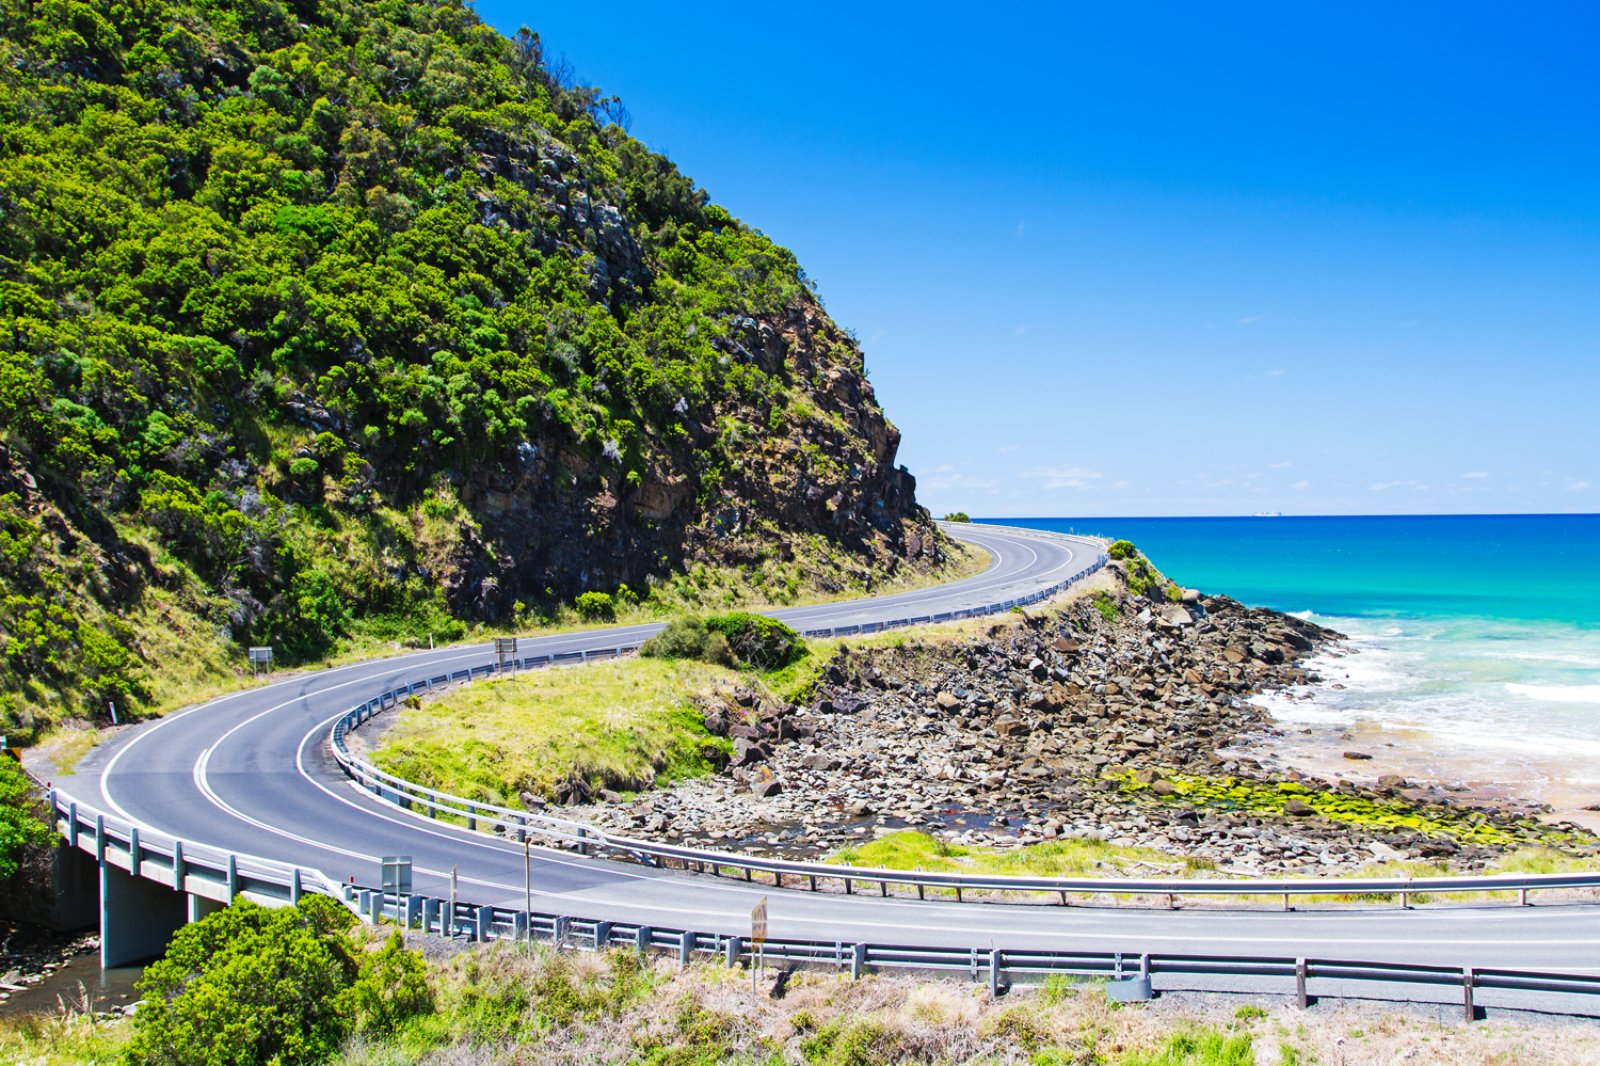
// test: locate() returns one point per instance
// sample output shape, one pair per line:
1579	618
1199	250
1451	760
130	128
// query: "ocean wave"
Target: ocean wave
1557	693
1304	615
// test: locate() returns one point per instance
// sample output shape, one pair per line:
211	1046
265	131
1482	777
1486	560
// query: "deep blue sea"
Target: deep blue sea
1475	639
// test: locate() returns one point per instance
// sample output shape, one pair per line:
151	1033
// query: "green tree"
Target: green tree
250	985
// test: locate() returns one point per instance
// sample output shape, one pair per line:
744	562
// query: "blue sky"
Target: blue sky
1167	259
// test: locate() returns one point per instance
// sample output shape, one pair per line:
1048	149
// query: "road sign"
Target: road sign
505	649
758	923
260	658
397	875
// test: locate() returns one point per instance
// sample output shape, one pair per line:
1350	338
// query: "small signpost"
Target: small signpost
505	650
260	659
397	874
396	882
758	937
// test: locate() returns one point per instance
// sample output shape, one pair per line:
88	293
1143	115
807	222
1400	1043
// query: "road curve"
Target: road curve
251	773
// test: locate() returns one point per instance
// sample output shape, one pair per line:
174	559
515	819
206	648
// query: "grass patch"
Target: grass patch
1274	799
910	849
628	724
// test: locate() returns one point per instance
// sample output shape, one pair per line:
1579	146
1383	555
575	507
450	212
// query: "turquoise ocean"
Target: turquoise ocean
1474	649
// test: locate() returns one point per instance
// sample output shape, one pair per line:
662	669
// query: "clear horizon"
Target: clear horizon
1170	260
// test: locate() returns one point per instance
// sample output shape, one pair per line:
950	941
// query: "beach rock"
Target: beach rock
1357	756
1295	807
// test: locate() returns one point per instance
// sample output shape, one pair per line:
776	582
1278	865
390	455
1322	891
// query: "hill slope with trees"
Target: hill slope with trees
332	317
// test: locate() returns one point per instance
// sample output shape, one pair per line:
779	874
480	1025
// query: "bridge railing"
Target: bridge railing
185	866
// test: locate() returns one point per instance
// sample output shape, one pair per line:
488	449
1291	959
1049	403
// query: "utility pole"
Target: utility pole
527	886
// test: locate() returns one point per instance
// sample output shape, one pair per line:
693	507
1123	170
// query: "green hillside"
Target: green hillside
322	319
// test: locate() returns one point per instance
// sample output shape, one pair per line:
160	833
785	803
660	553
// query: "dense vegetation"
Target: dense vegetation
737	639
248	985
22	822
321	317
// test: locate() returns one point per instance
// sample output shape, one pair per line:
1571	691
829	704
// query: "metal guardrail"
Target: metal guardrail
482	816
1130	973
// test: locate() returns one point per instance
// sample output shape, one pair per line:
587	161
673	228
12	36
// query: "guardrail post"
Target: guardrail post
472	817
558	934
602	935
642	939
730	949
583	847
430	914
686	942
1300	984
994	973
858	961
413	914
485	923
1405	901
100	838
72	823
180	868
1522	897
1467	980
295	887
233	877
135	853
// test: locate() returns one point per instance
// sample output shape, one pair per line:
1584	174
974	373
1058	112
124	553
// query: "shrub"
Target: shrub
1122	549
751	640
21	823
958	516
758	641
688	638
596	606
252	985
1107	606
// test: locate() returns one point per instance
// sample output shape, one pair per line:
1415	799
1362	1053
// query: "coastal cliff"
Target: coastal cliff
332	319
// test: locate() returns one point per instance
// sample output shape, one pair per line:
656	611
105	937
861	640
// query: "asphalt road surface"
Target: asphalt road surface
252	773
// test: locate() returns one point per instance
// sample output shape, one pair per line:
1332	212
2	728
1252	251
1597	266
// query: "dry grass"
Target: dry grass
709	1015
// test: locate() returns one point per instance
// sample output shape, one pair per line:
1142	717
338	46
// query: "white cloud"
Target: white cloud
1276	373
1471	474
1056	477
1249	319
1008	449
1300	486
1020	330
1578	486
946	477
1385	486
1280	466
1022	227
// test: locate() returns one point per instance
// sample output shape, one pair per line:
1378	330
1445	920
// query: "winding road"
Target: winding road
251	772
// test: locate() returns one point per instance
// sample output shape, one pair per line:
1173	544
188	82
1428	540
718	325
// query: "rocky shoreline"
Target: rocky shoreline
1116	717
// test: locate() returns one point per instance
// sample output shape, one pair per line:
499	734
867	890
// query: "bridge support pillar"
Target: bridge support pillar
137	917
201	906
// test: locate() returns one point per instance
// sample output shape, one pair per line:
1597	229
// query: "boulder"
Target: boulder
748	753
1296	807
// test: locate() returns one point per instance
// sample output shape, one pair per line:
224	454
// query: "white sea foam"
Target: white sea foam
1557	693
1300	614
